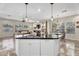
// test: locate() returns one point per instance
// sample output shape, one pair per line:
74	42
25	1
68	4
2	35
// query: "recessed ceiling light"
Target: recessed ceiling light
39	10
63	11
8	15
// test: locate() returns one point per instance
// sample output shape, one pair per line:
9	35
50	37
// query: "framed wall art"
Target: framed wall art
70	28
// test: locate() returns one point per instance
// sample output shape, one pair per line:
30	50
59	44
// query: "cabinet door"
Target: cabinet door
49	47
29	47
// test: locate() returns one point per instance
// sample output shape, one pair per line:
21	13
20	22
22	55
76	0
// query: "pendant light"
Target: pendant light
51	11
26	18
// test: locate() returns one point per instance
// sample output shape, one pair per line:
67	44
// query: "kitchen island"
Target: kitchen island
37	46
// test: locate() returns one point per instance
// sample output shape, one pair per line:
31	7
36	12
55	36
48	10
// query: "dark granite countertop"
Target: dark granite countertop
35	38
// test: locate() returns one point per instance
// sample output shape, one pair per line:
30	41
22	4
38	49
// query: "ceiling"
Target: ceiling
37	11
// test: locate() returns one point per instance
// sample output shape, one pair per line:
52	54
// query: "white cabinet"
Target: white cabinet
8	44
37	47
28	47
49	47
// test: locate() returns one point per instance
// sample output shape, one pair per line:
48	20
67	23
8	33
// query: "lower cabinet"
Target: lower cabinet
49	47
31	47
28	47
